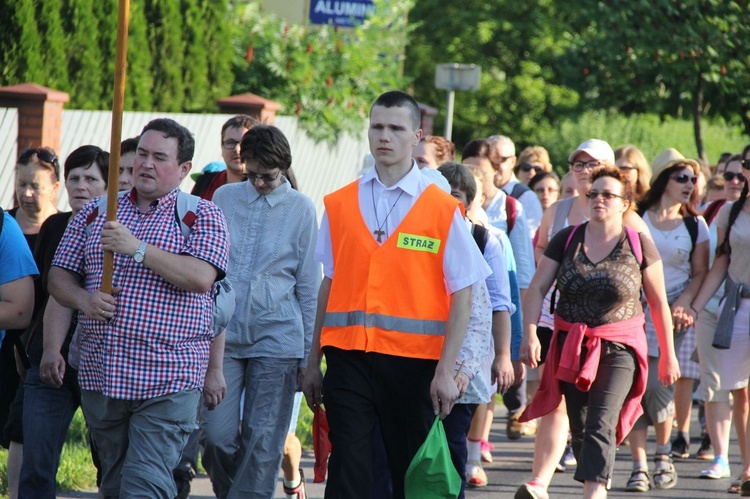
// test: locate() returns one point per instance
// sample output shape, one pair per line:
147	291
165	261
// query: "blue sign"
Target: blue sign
345	13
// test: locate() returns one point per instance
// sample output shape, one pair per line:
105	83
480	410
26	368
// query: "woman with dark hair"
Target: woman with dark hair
597	355
732	333
546	186
51	390
682	241
713	390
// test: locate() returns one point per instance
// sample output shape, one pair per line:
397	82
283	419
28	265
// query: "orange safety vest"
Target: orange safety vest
389	299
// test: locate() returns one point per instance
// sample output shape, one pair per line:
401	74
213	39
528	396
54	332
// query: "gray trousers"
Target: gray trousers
139	441
243	461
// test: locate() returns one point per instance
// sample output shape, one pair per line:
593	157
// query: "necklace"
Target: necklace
666	232
380	232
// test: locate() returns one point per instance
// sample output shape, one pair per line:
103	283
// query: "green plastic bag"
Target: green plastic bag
431	474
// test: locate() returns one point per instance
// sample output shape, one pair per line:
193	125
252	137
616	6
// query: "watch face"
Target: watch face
138	257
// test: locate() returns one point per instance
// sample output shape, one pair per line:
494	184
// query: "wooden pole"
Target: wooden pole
121	57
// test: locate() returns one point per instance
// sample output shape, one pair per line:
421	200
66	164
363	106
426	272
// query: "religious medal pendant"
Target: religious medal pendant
379	233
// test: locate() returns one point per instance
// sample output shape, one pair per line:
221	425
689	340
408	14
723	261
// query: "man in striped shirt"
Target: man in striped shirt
145	349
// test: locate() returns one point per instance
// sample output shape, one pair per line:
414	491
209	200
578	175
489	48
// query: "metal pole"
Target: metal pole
449	115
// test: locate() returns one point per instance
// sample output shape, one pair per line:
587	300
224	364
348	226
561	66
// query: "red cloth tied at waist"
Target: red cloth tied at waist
566	366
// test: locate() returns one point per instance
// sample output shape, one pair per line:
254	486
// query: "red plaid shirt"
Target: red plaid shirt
159	338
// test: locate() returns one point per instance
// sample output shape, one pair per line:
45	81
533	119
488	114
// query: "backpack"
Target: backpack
480	235
511	209
2	220
633	239
185	211
712	210
519	190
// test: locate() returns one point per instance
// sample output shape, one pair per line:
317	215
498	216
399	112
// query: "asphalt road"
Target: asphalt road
512	466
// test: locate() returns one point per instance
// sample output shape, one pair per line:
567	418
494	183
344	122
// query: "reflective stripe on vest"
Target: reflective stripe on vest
388	298
399	324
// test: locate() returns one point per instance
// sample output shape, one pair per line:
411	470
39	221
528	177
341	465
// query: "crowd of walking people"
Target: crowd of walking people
599	299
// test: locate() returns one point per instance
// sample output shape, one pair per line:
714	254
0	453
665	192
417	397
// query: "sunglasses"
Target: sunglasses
527	168
265	177
682	178
43	154
607	196
729	176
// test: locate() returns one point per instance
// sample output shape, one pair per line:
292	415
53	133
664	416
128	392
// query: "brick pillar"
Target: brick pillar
261	109
39	114
428	118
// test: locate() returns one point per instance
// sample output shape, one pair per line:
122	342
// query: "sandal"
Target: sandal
734	487
638	482
745	487
666	478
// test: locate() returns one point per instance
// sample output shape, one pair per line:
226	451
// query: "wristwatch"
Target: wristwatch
140	253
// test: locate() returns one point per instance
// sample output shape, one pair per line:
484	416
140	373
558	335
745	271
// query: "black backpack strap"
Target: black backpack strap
691	223
2	219
480	236
519	190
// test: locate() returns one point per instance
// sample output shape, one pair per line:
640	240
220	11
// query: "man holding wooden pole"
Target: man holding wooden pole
145	349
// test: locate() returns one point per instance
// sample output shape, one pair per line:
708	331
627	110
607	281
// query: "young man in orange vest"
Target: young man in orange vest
393	306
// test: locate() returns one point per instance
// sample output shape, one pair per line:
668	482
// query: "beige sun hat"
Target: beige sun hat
669	158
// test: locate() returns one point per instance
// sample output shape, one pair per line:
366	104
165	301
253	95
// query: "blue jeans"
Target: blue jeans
47	413
140	441
245	464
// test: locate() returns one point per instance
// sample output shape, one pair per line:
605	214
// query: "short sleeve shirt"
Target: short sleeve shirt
16	260
159	338
739	241
598	293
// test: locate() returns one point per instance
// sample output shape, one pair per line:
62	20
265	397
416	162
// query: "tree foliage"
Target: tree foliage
668	57
516	43
69	45
327	77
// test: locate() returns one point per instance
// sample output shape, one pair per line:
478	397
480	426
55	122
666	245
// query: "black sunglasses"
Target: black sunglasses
44	155
527	168
729	176
605	195
682	178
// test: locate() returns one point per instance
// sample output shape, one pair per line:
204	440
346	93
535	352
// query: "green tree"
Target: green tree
139	82
328	78
20	44
167	49
516	43
196	60
664	56
105	13
220	33
54	55
86	66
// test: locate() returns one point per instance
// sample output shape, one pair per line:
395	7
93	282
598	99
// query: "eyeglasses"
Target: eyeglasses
682	178
229	144
580	165
592	195
627	168
265	177
527	168
729	176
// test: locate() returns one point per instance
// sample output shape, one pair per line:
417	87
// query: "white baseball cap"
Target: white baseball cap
597	149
